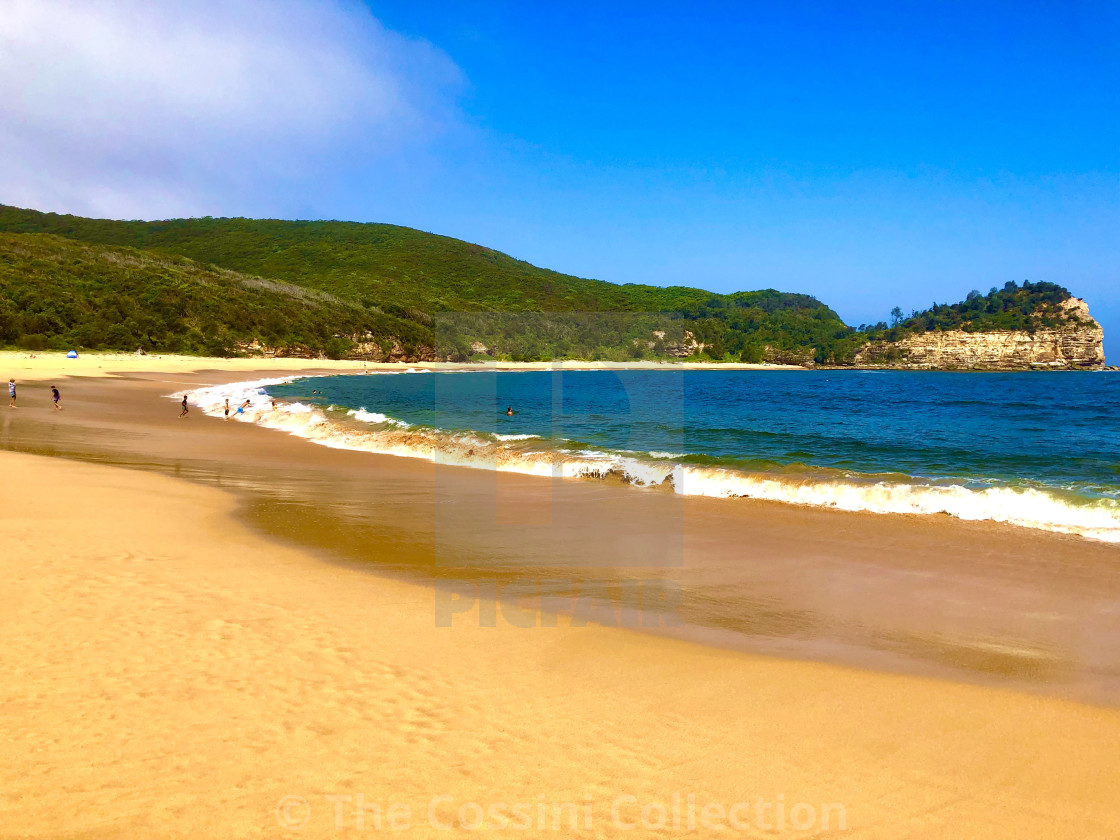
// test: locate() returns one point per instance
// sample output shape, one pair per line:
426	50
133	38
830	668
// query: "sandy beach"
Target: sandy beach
192	648
46	365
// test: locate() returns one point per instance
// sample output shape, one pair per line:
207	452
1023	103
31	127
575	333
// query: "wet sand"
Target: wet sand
171	667
925	595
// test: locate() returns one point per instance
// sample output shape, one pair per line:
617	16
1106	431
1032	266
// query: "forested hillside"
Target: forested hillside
1028	307
220	286
57	293
410	274
384	263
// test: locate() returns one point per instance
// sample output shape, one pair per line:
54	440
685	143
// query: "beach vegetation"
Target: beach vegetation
218	286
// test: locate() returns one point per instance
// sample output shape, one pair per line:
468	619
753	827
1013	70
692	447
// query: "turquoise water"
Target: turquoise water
1037	449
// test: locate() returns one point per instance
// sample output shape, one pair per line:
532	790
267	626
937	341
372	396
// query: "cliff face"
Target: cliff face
1075	343
365	348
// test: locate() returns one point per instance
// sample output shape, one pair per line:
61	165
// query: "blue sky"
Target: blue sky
873	155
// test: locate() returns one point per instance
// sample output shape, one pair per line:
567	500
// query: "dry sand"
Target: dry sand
50	364
166	671
53	364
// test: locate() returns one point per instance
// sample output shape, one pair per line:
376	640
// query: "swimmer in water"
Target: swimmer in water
509	411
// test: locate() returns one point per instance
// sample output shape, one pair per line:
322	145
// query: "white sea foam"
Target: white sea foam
376	417
212	400
1025	507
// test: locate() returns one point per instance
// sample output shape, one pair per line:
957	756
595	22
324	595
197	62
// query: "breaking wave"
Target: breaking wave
370	431
375	417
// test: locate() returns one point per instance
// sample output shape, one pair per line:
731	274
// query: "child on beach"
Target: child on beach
12	393
241	408
227	409
56	397
185	410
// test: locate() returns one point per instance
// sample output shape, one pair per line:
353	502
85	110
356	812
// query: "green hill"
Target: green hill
384	263
57	293
410	274
382	291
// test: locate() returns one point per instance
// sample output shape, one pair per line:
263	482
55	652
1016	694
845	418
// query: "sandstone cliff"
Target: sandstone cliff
1075	342
365	348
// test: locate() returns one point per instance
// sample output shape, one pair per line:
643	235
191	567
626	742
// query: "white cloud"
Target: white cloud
137	108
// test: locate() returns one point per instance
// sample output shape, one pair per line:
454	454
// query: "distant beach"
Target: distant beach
89	363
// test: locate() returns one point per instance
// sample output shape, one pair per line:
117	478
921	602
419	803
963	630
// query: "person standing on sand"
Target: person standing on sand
56	397
185	410
12	393
227	408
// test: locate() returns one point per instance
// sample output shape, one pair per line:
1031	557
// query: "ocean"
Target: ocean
1037	449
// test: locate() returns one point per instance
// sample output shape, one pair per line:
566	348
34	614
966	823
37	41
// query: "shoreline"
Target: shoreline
812	584
362	430
98	363
93	363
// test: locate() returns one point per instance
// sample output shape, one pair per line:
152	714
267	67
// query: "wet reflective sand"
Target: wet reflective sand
941	597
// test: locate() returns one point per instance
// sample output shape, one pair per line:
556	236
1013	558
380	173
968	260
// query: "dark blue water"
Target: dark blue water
1059	430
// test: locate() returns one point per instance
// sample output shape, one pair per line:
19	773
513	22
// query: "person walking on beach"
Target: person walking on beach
12	393
185	410
56	397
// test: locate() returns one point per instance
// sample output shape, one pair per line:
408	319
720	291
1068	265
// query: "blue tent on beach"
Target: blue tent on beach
73	354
